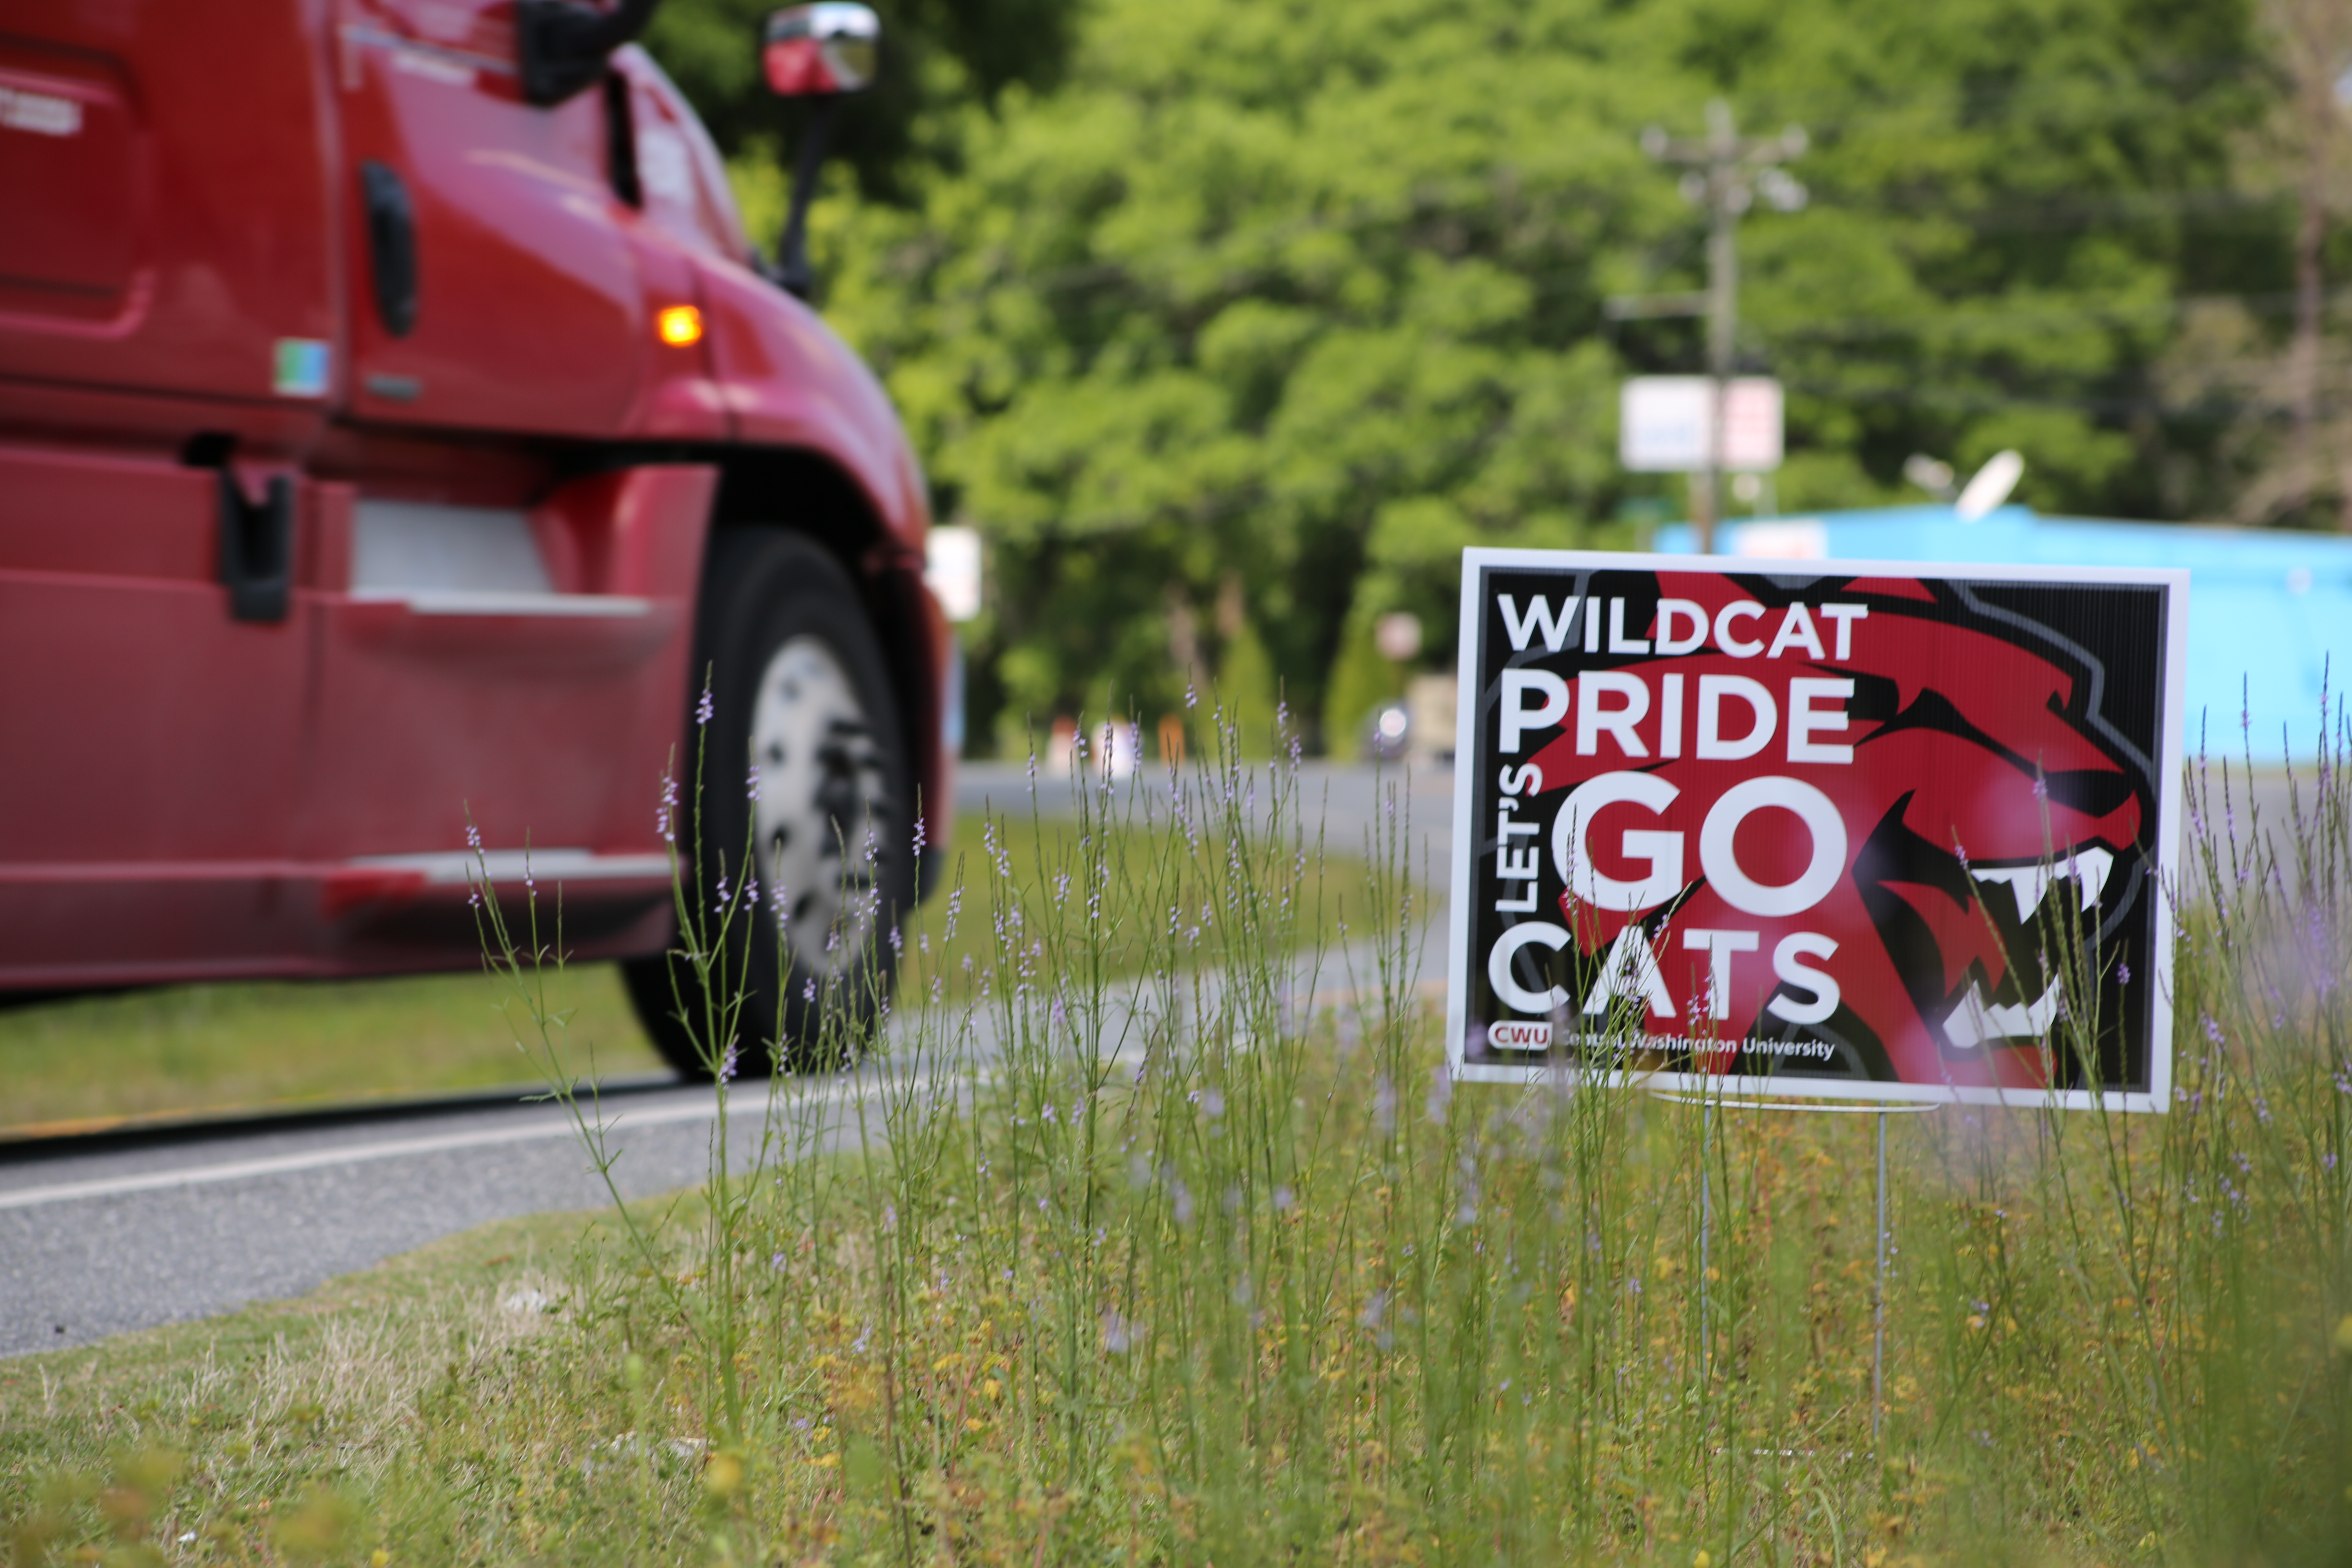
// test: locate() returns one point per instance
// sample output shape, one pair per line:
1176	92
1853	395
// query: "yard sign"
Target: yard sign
1832	832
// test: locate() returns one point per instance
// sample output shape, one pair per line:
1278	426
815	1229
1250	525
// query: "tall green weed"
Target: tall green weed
1161	1236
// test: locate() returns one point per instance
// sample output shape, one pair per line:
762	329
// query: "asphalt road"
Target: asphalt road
99	1237
104	1234
1348	800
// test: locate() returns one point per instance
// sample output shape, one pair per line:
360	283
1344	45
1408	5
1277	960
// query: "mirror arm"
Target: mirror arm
562	46
792	272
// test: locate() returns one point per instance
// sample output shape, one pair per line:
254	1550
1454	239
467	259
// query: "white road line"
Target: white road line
553	1126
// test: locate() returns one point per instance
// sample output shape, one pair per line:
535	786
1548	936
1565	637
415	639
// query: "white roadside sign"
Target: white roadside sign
1666	424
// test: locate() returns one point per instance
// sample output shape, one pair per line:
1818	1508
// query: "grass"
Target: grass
1232	1277
239	1410
194	1049
197	1049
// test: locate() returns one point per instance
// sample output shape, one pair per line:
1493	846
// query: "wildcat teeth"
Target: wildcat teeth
2088	867
1977	1021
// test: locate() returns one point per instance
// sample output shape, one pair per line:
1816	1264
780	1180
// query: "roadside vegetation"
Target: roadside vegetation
1201	1261
280	1045
1232	331
264	1045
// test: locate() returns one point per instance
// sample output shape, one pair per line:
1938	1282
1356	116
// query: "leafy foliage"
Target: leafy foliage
1302	299
939	55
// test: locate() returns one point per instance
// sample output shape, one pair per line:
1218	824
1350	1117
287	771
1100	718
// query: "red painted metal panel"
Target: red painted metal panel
530	314
185	792
162	728
790	382
139	256
148	922
153	744
170	921
85	418
548	730
73	163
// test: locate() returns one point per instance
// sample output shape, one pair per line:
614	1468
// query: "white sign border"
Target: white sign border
2157	1099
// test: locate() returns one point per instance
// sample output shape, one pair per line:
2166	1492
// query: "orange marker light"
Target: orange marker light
679	326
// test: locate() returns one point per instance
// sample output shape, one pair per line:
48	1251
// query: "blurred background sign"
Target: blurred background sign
1667	425
951	571
1751	425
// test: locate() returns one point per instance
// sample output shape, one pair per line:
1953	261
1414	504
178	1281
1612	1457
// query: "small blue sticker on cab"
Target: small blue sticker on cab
302	368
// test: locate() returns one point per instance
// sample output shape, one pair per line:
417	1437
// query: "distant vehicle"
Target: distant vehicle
397	425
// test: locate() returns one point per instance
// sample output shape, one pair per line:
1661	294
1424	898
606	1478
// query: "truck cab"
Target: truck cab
407	476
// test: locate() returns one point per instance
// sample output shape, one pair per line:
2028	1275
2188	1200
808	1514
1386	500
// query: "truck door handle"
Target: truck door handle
391	246
256	548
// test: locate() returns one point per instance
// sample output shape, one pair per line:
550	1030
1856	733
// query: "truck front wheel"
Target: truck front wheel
804	778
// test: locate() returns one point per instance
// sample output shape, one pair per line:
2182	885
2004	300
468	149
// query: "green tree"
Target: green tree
1311	296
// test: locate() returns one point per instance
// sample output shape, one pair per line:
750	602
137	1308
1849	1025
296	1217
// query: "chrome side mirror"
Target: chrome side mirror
821	50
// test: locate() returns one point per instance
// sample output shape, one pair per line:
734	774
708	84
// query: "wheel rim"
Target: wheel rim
822	808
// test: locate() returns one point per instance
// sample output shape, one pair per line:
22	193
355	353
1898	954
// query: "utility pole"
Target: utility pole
1727	175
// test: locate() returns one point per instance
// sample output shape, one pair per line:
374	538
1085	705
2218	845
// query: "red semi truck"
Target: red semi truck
397	430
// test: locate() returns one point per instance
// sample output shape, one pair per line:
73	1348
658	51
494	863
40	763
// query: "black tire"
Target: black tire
784	641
